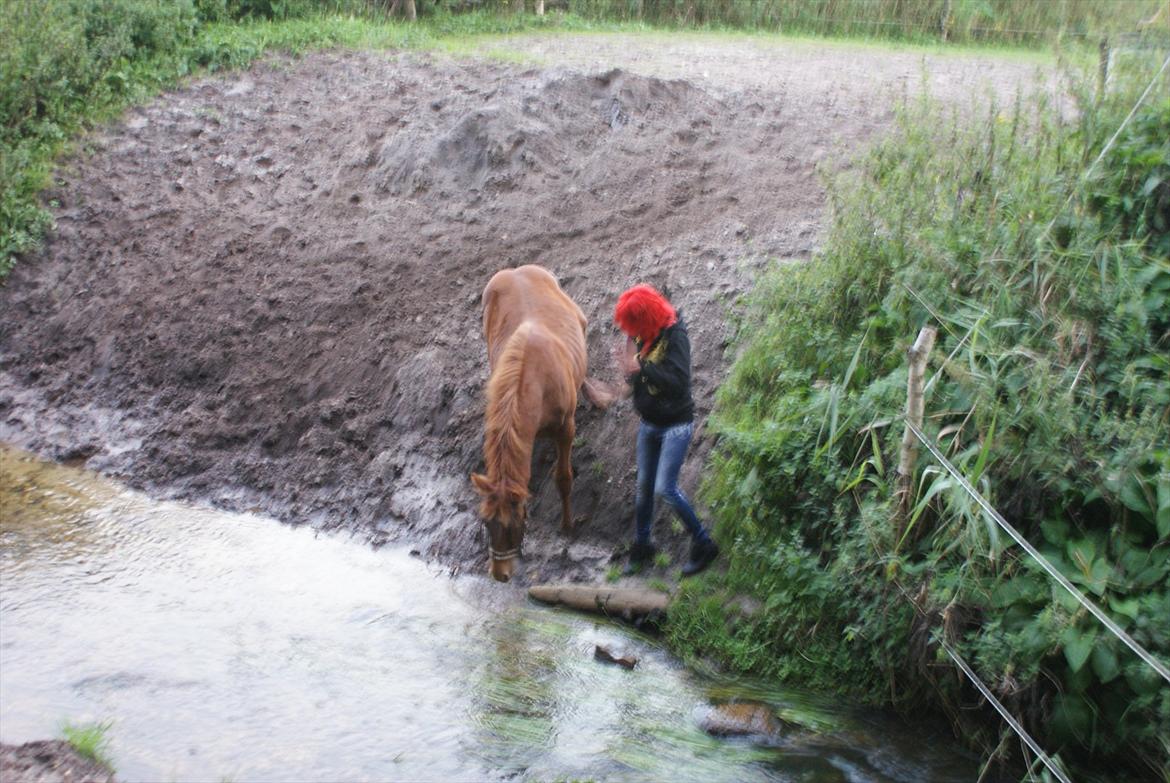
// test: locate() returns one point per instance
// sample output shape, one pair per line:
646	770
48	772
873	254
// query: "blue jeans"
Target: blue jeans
661	451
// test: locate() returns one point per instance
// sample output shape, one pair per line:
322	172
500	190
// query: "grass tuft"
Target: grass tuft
90	740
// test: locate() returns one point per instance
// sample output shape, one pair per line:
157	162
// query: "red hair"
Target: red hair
642	312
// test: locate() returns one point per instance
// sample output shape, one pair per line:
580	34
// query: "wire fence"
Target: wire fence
1045	759
1052	571
1016	727
918	388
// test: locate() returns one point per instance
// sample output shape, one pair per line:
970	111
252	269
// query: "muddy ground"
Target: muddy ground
49	761
263	288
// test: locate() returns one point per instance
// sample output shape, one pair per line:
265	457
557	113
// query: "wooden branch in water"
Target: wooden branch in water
626	603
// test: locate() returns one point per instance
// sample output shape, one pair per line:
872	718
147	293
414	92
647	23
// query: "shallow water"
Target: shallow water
231	647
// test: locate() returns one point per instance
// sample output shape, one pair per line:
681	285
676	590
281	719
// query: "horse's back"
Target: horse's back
531	293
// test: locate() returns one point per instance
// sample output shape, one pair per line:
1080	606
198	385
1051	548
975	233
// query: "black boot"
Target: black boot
640	556
702	553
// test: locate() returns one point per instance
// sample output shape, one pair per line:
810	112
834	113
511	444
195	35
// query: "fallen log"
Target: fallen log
626	603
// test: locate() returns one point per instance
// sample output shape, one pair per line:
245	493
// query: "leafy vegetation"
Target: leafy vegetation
1042	257
90	740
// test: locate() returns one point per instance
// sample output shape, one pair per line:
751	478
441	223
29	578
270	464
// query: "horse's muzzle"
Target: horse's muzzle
502	563
501	570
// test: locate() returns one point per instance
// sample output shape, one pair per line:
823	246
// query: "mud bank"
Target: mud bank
49	761
263	289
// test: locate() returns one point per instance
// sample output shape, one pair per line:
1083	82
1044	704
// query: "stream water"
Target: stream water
230	647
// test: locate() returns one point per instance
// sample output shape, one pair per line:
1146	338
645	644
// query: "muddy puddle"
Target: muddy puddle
230	647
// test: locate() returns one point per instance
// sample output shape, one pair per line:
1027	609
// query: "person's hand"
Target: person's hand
626	357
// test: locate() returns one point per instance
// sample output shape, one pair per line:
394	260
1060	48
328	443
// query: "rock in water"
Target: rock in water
606	655
741	719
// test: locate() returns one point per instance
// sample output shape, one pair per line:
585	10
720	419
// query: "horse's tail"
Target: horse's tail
601	394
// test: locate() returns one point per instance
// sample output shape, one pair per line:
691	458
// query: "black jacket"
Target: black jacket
662	387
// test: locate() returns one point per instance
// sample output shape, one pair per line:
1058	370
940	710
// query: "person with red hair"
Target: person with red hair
657	366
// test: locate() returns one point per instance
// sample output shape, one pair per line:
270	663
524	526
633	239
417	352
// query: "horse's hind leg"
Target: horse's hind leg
564	473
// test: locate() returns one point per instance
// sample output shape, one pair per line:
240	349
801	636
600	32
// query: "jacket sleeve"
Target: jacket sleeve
673	374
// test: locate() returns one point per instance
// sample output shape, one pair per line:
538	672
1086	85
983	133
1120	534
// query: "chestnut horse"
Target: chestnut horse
535	338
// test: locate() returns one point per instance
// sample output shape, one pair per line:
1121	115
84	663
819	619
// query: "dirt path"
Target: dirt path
263	288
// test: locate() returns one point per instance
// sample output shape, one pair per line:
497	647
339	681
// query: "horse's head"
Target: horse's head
504	509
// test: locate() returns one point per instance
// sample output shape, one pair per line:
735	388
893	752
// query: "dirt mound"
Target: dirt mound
524	131
263	288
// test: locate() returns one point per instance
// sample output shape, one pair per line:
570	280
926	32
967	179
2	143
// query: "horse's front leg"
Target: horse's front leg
564	473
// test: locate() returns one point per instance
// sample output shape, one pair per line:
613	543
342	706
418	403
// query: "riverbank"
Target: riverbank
50	761
263	287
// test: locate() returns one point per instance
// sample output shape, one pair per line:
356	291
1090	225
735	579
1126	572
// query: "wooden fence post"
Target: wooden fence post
917	356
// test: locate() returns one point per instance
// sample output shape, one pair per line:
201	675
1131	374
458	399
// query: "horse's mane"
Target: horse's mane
504	448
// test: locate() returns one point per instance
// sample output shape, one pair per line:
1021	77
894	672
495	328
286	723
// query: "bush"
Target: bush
1048	281
58	61
58	56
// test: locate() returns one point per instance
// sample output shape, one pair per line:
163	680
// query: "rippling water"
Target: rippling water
231	647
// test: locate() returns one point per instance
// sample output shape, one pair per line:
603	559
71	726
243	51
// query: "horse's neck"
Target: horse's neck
512	457
512	427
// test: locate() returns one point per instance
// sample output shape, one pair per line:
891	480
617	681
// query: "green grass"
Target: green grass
765	38
970	21
658	584
90	740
